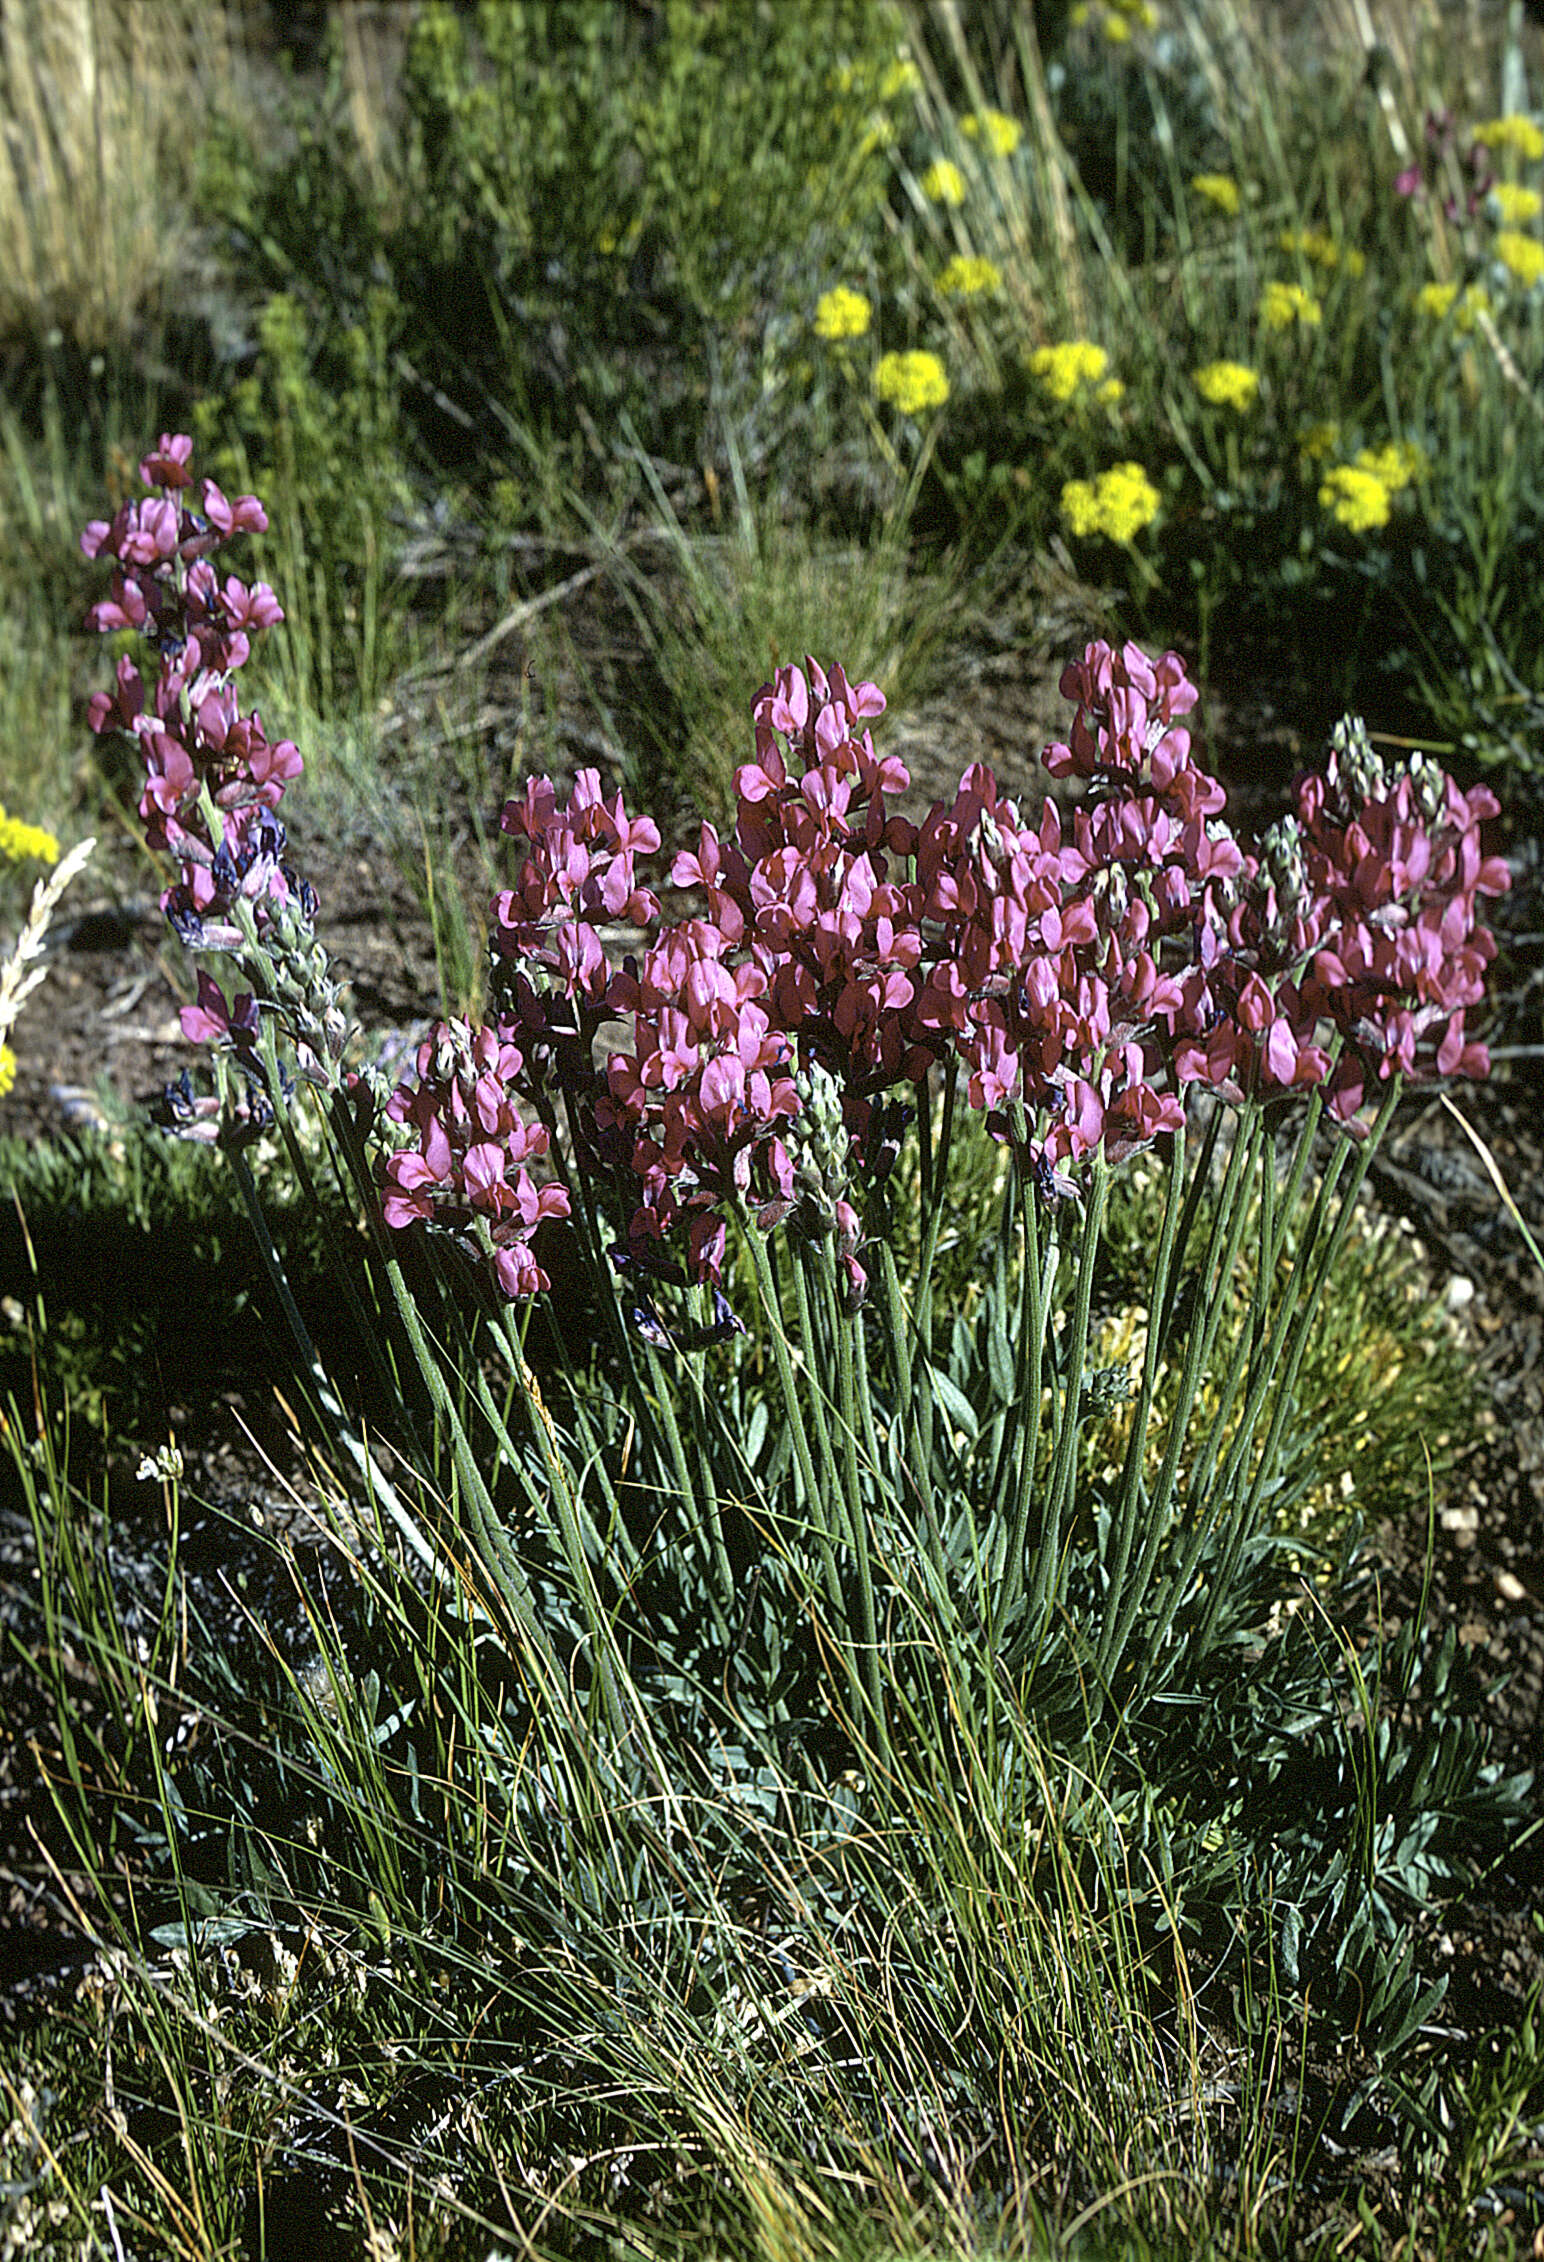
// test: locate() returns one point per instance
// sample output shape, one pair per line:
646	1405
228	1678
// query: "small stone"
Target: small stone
1459	1293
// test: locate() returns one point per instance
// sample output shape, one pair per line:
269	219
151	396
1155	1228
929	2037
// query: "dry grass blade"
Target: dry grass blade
16	983
1493	1173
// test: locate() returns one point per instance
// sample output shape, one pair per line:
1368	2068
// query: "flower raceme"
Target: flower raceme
213	780
472	1148
200	752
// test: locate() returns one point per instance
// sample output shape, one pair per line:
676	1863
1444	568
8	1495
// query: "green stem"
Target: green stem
814	1498
1297	1347
1133	1495
843	1326
906	1436
379	1484
1063	1478
1038	1289
502	1567
1216	1268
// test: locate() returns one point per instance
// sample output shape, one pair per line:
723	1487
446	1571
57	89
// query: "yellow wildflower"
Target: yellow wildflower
7	1069
1116	17
1111	391
1396	464
1227	384
1001	133
1118	504
1061	369
912	382
1356	497
1520	255
18	841
967	278
1220	189
1513	132
1515	206
842	314
903	77
944	183
1439	300
1282	304
1321	250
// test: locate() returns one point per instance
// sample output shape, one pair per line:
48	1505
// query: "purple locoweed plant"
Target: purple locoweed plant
713	1121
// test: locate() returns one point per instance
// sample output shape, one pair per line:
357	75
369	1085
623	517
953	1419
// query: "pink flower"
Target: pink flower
167	464
211	1020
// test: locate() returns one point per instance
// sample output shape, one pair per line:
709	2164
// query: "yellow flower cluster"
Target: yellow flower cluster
1227	384
1117	18
1118	504
1357	498
1001	133
912	382
900	77
1522	256
1359	495
1396	465
1282	304
1515	206
1220	189
1321	250
944	183
842	314
1439	300
18	841
968	278
1062	369
7	1069
1513	132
